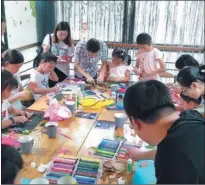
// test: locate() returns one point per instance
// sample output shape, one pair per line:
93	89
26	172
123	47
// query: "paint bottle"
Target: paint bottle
129	165
113	94
119	98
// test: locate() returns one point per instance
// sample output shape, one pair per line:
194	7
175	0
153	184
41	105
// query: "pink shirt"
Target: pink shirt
148	61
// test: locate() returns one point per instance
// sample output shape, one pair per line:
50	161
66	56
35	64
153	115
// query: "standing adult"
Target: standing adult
86	57
4	49
60	44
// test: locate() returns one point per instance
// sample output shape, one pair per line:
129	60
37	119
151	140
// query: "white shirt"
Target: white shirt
62	50
41	79
118	71
4	110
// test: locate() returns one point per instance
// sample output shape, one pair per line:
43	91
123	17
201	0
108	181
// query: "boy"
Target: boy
43	73
149	60
179	158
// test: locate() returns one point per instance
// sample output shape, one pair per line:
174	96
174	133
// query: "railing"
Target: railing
131	49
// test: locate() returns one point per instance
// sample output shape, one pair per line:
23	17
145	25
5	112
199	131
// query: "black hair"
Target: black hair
93	45
189	99
13	57
185	60
144	38
11	164
63	26
148	101
119	53
191	74
46	57
8	80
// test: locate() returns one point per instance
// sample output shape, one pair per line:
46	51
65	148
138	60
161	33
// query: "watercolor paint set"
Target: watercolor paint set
111	149
85	170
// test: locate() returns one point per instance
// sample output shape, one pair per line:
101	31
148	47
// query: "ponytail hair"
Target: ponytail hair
121	54
191	74
13	57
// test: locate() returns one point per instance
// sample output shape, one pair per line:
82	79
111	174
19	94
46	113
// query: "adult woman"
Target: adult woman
3	30
60	44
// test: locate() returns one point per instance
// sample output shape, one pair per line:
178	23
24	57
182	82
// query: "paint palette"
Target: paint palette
85	170
123	149
107	148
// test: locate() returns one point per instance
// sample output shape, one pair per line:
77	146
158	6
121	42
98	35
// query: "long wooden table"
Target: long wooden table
82	131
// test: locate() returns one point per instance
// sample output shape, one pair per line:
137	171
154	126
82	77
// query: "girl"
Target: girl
185	60
119	70
149	62
43	73
190	103
8	84
191	80
61	45
12	62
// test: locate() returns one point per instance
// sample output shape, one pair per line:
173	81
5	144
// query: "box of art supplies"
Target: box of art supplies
88	170
124	146
84	170
60	166
114	149
107	149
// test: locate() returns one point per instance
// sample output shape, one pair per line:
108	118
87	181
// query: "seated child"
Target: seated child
119	70
190	103
43	73
8	84
149	61
11	164
12	62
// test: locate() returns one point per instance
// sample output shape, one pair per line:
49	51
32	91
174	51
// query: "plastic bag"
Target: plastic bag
57	112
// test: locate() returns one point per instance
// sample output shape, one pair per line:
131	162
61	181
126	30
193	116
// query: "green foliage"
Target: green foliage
33	8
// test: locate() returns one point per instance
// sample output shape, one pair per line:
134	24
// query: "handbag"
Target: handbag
37	59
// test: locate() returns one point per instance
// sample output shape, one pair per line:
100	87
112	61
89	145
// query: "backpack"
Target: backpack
39	52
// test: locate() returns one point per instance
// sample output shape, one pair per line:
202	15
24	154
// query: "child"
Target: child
190	103
9	83
43	73
119	70
11	164
149	62
12	62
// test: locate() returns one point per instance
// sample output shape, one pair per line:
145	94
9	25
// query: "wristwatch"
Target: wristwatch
12	121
